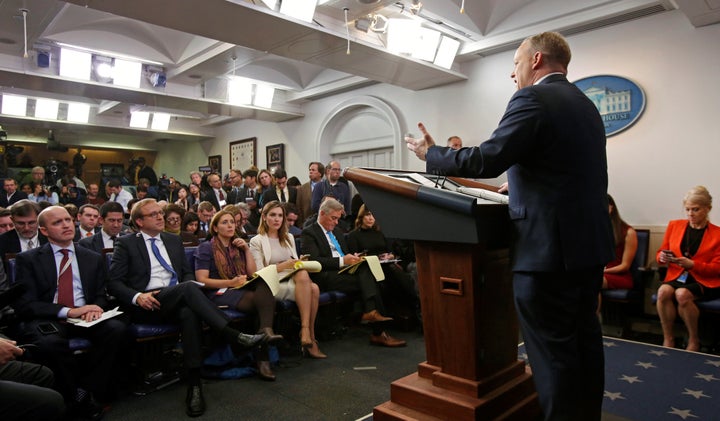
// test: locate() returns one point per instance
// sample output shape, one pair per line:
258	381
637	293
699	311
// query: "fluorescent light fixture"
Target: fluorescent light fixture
402	35
160	121
446	52
75	64
104	70
78	112
46	108
108	53
127	73
426	44
239	91
264	96
14	105
299	9
139	119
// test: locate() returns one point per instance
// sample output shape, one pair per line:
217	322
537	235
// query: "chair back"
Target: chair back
641	256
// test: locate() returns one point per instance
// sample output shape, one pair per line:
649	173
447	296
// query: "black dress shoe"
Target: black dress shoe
194	402
249	340
89	409
265	372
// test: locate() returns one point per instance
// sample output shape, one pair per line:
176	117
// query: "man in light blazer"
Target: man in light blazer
151	278
44	314
551	141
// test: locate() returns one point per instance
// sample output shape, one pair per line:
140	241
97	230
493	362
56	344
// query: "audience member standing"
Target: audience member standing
118	194
454	142
12	194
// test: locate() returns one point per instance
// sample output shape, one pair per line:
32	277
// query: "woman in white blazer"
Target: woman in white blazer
274	245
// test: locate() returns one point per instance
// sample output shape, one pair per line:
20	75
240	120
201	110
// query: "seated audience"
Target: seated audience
205	213
265	184
182	194
194	197
398	286
6	223
279	190
25	387
324	242
292	215
41	194
173	218
691	250
25	236
11	194
189	229
111	218
273	245
93	195
244	227
224	263
87	218
151	278
118	194
61	282
617	273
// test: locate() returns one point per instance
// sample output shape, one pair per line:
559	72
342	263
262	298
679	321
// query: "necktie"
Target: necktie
203	226
31	245
282	196
335	243
65	281
163	262
113	239
89	234
222	196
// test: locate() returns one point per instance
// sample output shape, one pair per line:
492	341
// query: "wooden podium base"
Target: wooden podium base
416	398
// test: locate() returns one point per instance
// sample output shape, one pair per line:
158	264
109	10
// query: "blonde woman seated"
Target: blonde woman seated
223	263
273	245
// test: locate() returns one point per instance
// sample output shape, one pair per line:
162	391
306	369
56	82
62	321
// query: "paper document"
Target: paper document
485	194
106	315
374	264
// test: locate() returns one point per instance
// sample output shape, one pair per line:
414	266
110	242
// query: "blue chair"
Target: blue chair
620	305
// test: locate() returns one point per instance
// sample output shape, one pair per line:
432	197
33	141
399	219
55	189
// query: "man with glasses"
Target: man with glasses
216	195
111	218
25	236
151	278
236	180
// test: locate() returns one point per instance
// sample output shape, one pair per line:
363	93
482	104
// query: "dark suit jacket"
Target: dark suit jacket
130	265
551	141
94	243
339	191
17	196
210	197
37	271
271	195
239	196
304	202
10	242
77	233
316	245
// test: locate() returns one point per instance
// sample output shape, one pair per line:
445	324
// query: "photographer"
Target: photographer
42	193
70	193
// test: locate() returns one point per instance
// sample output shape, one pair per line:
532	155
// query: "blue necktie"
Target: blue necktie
163	262
335	243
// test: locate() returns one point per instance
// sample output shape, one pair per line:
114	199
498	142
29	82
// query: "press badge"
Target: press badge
683	278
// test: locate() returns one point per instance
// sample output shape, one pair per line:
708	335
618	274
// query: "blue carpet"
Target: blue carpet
648	382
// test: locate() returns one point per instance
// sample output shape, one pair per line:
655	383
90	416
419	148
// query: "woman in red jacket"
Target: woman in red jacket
691	249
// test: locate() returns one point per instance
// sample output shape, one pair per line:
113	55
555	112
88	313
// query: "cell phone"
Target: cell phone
304	256
668	252
47	328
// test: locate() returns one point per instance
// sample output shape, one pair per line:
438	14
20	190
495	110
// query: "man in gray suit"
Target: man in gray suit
551	142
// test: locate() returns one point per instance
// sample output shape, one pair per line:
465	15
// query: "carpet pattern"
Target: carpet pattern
651	383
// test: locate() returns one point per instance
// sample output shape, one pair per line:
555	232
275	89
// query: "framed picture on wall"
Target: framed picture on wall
243	154
215	163
275	155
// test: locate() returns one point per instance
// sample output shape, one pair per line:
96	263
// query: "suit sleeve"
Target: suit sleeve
512	142
96	285
119	275
31	304
311	246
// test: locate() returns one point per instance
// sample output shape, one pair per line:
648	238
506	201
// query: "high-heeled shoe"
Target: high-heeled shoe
313	351
305	339
270	336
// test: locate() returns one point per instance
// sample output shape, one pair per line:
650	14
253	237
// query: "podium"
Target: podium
471	330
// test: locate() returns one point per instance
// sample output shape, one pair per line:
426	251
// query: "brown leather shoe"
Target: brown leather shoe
384	339
373	317
264	371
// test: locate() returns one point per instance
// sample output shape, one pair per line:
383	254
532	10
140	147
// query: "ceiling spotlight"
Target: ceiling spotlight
3	135
416	7
363	24
158	79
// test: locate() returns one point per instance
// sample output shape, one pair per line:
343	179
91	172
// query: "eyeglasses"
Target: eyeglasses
335	169
175	219
154	214
25	224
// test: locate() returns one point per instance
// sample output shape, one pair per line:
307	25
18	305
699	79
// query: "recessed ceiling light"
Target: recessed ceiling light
7	41
194	76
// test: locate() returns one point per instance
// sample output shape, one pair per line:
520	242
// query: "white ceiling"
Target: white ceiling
200	42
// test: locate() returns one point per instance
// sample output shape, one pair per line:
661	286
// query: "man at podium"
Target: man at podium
551	142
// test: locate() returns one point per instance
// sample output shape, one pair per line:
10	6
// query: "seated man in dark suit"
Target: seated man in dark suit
61	282
111	218
326	244
280	190
25	236
151	277
87	222
215	195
